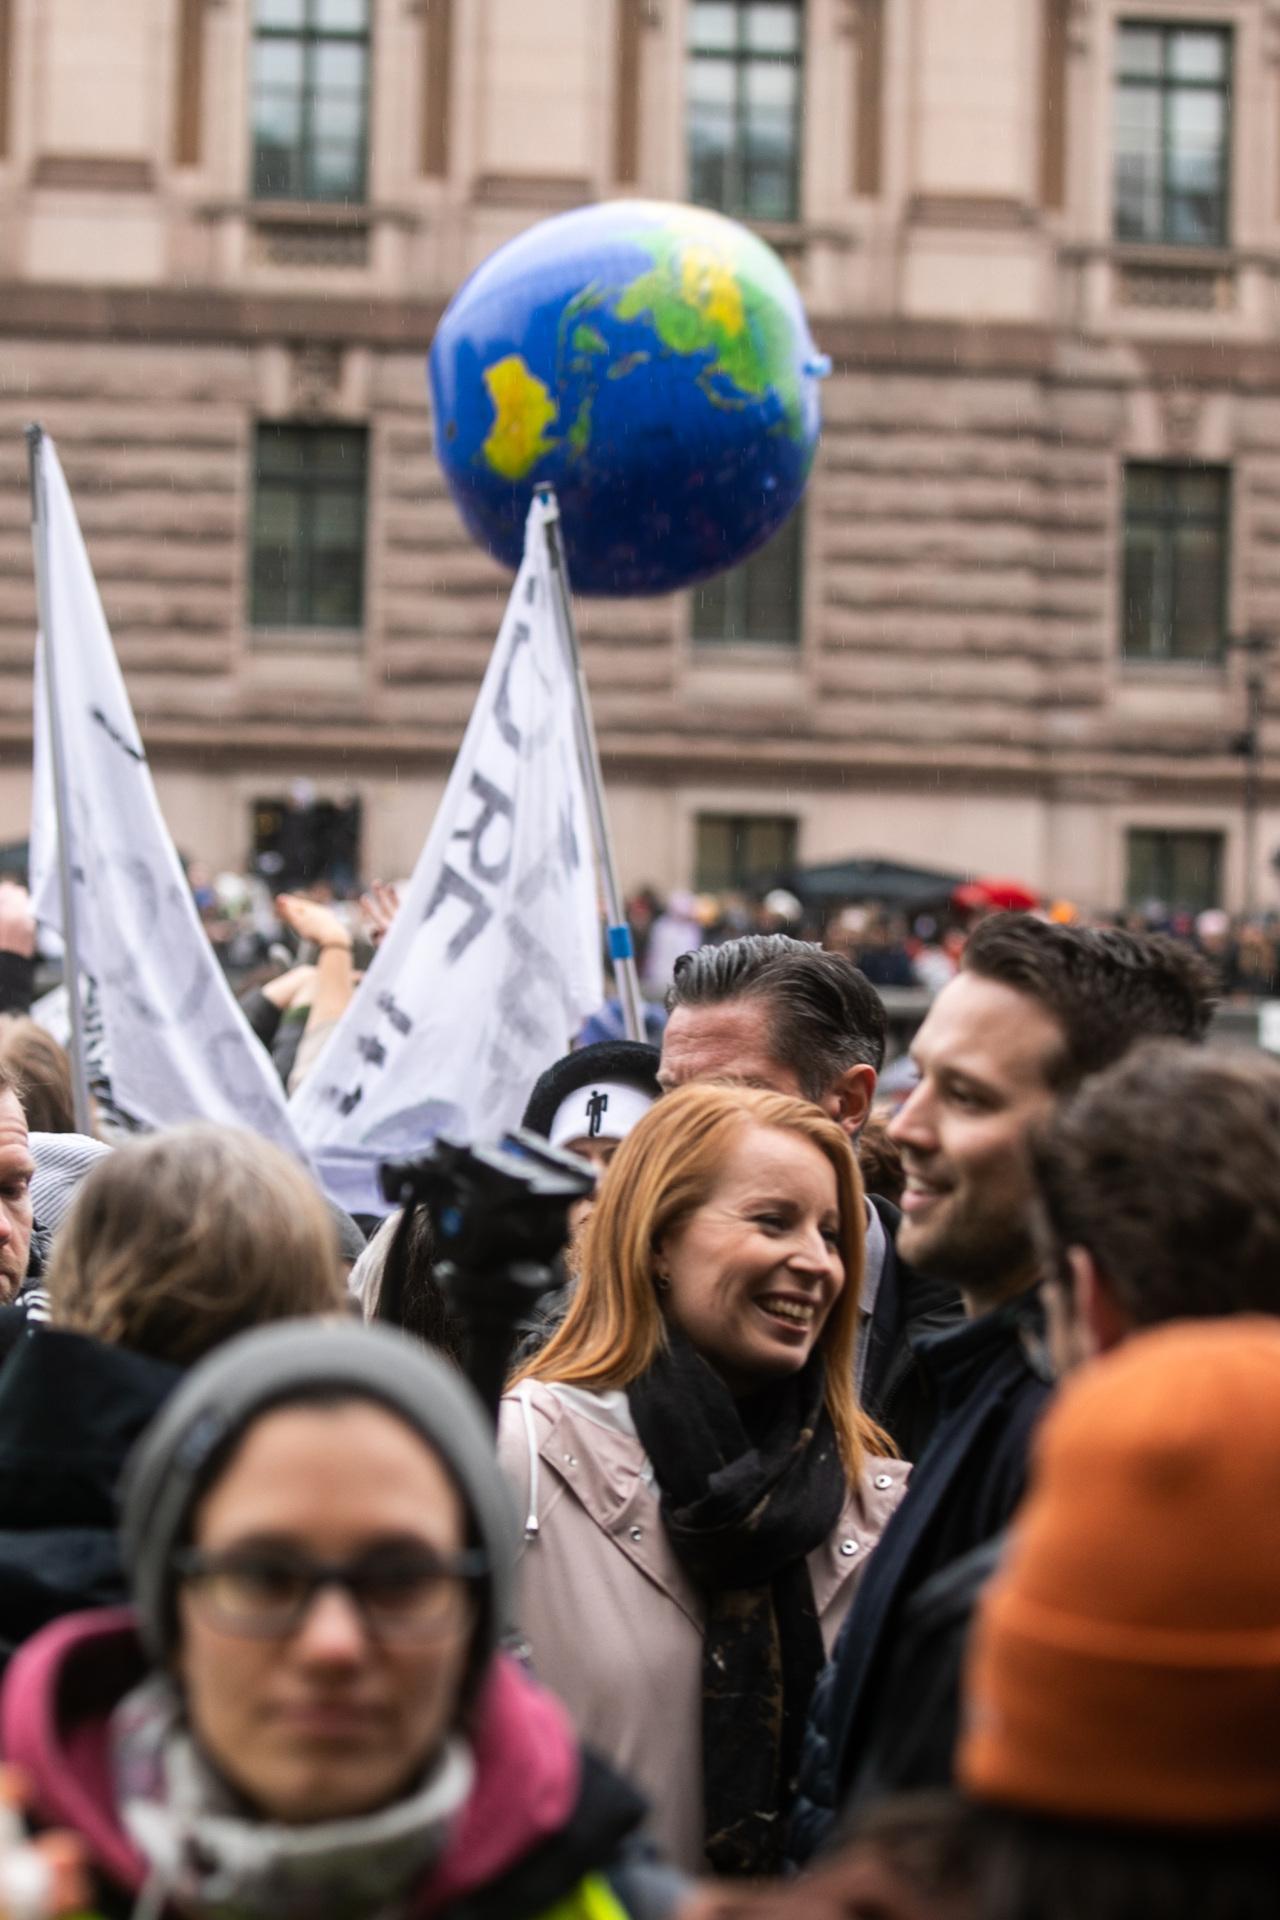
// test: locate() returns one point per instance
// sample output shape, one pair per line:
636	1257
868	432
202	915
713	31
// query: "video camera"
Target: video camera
501	1218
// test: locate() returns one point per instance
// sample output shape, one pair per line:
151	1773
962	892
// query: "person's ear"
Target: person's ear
1101	1319
849	1098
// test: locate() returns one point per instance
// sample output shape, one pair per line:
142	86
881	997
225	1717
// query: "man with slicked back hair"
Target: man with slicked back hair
1034	1010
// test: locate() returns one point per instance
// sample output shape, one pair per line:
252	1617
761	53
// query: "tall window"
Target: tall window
310	99
1181	870
742	850
1172	135
1175	562
297	841
744	81
757	603
308	527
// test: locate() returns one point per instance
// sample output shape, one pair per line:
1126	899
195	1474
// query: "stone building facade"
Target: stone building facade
1040	240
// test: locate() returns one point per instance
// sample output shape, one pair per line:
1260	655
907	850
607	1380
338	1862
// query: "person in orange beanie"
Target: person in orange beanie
1122	1696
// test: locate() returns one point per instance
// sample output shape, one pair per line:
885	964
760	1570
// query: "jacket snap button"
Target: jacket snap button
637	1533
571	1459
884	1480
848	1546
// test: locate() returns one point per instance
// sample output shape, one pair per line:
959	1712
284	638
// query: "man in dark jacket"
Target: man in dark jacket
1158	1196
784	1014
1035	1009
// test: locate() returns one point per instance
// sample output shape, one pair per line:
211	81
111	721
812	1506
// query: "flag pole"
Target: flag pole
621	950
71	944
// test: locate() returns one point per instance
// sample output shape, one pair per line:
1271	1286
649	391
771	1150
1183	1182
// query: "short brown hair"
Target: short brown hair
663	1172
1166	1169
178	1241
40	1073
1107	989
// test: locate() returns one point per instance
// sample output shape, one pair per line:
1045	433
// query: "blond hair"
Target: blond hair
180	1240
663	1171
42	1073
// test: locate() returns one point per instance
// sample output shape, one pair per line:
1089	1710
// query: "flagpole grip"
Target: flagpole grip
621	948
66	888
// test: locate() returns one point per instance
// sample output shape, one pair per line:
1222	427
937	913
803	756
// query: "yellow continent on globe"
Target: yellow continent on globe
523	410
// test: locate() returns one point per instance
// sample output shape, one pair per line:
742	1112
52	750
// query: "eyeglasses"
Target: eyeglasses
266	1595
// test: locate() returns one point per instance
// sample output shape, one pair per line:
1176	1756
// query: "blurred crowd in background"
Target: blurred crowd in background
894	947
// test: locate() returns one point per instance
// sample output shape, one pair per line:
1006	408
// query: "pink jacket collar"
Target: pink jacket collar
63	1685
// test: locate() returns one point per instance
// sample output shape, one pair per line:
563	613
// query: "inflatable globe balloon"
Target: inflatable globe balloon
654	365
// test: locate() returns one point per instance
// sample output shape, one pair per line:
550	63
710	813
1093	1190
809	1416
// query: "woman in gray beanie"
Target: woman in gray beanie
308	1717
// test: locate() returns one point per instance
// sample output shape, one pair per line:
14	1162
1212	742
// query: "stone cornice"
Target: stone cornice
212	316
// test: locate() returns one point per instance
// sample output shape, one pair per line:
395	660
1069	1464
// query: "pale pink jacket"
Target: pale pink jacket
612	1623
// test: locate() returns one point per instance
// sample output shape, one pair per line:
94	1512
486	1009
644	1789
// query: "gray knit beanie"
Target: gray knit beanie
182	1452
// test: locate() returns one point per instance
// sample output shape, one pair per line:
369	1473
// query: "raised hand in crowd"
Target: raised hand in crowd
42	1877
335	977
17	921
378	908
316	921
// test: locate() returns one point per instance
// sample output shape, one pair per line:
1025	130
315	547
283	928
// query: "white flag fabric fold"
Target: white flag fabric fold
493	960
179	1046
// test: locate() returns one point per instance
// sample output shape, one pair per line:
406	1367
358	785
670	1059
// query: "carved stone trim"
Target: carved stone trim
1053	105
1271	32
100	172
188	124
6	72
437	86
533	189
316	378
986	210
626	104
1079	25
868	126
1180	411
285	244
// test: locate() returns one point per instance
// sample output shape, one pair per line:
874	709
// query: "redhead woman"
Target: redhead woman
700	1486
308	1719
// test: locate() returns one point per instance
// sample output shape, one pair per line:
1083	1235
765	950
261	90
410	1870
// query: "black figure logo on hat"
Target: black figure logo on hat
597	1107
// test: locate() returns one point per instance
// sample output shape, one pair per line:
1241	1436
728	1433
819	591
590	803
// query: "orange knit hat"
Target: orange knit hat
1125	1665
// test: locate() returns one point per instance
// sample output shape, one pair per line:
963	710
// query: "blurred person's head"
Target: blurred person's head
1123	1675
41	1071
778	1013
16	1171
178	1241
1034	1009
421	1308
319	1542
1159	1195
879	1160
588	1102
735	1218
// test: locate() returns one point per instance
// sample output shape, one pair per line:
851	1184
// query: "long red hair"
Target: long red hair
664	1170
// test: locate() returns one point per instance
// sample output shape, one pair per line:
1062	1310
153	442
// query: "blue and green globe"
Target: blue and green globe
653	363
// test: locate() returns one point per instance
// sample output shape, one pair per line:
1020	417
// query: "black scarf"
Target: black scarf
748	1489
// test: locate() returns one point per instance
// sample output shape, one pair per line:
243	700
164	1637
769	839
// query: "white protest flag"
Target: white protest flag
179	1047
493	960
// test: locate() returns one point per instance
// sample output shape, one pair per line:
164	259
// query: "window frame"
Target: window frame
309	487
741	880
734	582
1166	86
312	38
743	58
1167	521
1214	839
